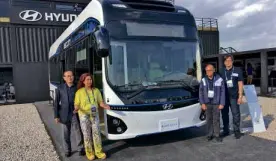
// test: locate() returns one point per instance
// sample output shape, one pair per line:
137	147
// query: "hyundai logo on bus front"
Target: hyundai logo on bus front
32	15
167	106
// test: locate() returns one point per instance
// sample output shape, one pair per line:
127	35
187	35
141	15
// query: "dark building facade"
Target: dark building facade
263	62
29	27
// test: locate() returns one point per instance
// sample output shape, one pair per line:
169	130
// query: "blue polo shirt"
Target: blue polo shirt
71	95
235	74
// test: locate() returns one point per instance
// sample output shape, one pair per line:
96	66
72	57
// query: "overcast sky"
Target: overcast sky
243	24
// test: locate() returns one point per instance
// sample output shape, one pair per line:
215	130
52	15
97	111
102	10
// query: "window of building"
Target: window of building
31	3
270	62
70	7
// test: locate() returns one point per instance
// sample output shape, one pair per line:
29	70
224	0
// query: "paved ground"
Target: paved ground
23	136
268	106
188	144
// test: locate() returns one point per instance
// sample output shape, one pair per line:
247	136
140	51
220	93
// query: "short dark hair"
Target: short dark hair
228	56
68	71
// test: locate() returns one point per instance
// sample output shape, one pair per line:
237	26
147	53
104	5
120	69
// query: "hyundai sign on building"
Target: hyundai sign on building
27	29
35	16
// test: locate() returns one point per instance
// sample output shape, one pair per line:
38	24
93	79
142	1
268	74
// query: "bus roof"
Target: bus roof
93	9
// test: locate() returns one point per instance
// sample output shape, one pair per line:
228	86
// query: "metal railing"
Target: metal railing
207	24
227	50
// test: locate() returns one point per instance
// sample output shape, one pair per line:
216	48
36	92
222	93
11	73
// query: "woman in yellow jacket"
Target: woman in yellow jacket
87	101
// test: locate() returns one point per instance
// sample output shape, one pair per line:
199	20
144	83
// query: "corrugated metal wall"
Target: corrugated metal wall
32	48
5	45
210	42
31	82
33	43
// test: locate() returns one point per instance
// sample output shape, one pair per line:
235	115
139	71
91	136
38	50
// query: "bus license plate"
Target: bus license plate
168	125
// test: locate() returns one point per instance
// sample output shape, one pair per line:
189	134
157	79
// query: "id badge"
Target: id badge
229	83
93	110
210	94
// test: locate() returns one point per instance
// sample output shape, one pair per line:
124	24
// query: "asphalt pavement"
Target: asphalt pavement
184	145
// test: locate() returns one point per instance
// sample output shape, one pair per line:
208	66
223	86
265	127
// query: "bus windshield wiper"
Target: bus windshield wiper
183	83
143	86
128	86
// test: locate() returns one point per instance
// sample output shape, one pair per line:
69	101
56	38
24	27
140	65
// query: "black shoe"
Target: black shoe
81	153
209	138
238	135
218	139
225	133
68	154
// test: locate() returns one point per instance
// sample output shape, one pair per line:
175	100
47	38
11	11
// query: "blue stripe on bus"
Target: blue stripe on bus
87	30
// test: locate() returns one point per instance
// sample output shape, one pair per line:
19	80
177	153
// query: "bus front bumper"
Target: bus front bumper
145	123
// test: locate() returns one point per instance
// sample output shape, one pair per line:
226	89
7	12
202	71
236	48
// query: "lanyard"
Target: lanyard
89	97
214	78
231	74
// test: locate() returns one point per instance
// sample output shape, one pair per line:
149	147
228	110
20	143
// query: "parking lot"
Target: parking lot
188	144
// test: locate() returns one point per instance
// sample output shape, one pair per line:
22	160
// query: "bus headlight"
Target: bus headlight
115	125
119	130
116	122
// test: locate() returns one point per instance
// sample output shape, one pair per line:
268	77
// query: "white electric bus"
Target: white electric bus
145	57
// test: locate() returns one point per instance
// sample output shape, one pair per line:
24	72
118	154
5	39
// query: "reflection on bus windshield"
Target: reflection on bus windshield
134	62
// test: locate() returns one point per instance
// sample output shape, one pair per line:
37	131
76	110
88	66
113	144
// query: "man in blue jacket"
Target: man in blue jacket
63	110
212	100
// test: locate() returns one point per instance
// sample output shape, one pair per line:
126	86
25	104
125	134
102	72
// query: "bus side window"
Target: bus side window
81	65
55	69
96	67
70	59
61	66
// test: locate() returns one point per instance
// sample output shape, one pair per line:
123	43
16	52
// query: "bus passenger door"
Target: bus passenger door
95	68
82	59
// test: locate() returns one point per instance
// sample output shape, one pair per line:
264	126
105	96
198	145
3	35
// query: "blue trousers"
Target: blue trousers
235	109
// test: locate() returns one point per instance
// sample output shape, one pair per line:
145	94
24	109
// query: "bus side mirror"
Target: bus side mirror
102	41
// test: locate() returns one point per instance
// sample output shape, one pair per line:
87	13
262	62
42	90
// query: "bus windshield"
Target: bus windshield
138	62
